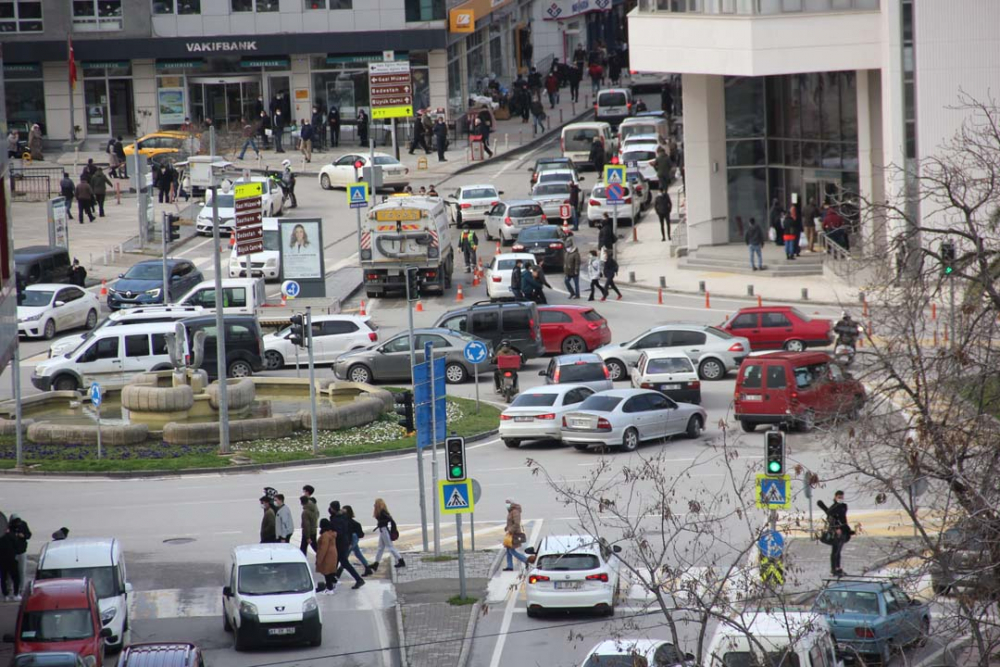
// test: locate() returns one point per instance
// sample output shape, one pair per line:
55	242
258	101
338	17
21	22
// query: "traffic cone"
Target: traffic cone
479	267
232	240
460	296
362	311
499	248
284	300
659	299
635	233
420	307
760	302
104	288
708	303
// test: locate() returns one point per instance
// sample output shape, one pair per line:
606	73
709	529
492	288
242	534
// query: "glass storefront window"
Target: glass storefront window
260	6
347	90
747	190
181	6
745	153
97	15
475	59
456	106
20	16
25	103
744	107
424	10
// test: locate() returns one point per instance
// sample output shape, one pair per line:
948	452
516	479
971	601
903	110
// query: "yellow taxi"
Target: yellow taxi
166	143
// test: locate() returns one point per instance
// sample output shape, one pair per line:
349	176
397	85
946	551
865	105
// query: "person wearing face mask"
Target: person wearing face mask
513	535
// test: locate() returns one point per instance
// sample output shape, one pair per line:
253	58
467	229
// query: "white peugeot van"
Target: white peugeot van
240	296
100	560
804	635
270	597
126	316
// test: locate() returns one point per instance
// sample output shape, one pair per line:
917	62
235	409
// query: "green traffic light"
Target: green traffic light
774	467
456	471
948	270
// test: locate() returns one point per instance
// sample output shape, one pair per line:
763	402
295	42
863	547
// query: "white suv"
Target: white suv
332	335
573	572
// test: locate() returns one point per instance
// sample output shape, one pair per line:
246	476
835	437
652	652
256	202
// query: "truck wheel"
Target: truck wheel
65	383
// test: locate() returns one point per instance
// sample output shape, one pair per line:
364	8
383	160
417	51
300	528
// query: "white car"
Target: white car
497	274
632	652
471	203
536	414
638	156
47	308
639	79
573	572
266	264
332	335
559	176
507	218
271	205
137	315
341	171
629	210
670	372
637	140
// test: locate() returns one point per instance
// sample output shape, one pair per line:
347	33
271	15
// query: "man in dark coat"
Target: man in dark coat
319	129
342	526
19	529
363	127
441	138
596	156
68	192
78	274
840	530
267	523
515	281
419	136
663	207
278	127
333	120
606	237
120	152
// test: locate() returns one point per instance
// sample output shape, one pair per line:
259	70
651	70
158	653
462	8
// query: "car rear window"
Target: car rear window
600	403
637	156
552	189
533	400
540	233
555	177
508	264
592	316
601	192
479	193
852	602
670	365
752	376
581	372
715	331
516	319
637	129
385	159
611	100
799	314
567	562
524	211
579	139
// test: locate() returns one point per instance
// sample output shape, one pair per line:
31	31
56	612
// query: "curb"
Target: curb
470	628
400	631
236	469
729	297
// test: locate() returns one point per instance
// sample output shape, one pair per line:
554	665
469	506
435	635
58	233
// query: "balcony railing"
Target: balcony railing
756	7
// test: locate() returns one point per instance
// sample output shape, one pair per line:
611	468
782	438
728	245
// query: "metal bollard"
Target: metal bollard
506	137
805	293
663	281
631	276
861	296
701	286
105	258
749	290
561	116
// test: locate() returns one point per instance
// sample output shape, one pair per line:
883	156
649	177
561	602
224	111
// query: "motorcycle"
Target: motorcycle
507	366
843	353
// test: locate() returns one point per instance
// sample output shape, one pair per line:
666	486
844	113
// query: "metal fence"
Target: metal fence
33	187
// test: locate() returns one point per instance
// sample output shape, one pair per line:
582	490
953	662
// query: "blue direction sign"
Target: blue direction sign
357	195
422	402
475	352
773	493
95	394
614	173
771	544
615	193
290	289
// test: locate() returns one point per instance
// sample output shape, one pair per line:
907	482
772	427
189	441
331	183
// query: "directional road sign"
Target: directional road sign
771	544
614	173
357	195
422	402
95	394
456	497
290	289
391	90
475	352
772	570
248	202
773	493
615	193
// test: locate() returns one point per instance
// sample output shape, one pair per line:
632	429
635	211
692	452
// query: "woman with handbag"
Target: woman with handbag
514	536
838	532
387	534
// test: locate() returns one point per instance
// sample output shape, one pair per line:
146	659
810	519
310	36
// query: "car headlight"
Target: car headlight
90	661
32	318
108	615
248	608
153	292
112	290
309	605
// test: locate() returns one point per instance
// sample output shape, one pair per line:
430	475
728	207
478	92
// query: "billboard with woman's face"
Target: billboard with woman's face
301	250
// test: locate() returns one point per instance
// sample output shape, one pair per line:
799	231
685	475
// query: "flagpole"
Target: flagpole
72	87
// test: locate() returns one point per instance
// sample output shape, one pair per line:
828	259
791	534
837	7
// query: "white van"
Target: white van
240	296
266	264
270	597
805	635
111	356
100	560
645	125
613	105
577	138
126	316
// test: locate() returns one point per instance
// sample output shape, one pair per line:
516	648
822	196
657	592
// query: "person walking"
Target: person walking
468	243
278	130
809	215
284	524
838	530
789	232
571	269
84	200
515	280
594	273
35	143
319	129
78	274
441	138
309	522
21	533
333	120
419	139
9	569
163	180
486	129
112	158
663	165
537	116
480	130
306	135
342	530
513	535
606	237
363	127
535	84
610	271
386	526
357	532
288	183
574	205
68	192
596	76
575	76
89	170
248	142
267	522
596	156
793	213
664	207
99	183
13	141
552	88
754	238
327	559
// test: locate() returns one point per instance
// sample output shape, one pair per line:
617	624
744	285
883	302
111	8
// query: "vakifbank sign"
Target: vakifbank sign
220	47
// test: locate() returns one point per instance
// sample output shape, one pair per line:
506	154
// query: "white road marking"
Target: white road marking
508	613
193	248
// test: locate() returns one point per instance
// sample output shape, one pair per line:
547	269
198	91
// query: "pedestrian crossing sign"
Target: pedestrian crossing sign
456	497
614	174
357	195
773	492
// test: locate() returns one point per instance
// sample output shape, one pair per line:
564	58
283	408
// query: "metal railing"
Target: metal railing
32	187
840	259
756	7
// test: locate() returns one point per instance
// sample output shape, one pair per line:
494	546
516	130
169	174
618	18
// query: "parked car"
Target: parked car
647	80
390	361
60	615
573	329
577	139
244	344
780	327
47	308
629	210
966	566
714	352
549	163
622	652
331	335
99	560
240	296
41	264
797	389
142	284
566	176
763	637
272	202
341	171
507	218
276	579
172	654
471	203
50	659
551	197
585	369
265	264
497	273
613	105
644	124
640	187
517	322
626	417
638	157
573	572
536	413
546	242
142	314
166	144
872	618
669	372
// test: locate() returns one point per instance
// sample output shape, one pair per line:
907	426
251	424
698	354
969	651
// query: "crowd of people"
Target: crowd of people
793	229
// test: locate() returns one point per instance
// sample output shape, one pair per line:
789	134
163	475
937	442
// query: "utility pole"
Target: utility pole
16	381
429	356
312	380
164	233
220	324
420	452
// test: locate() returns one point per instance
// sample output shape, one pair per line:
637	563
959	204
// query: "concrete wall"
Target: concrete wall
705	160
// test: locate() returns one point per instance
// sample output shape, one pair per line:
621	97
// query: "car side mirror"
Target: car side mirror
499	192
128	588
59	303
541	373
107	632
617	549
530	551
227	592
689	656
121	275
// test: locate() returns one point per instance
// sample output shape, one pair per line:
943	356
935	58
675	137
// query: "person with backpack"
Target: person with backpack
342	530
610	271
387	534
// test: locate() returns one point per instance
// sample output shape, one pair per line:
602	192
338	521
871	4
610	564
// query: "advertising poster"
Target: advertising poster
171	103
301	250
58	223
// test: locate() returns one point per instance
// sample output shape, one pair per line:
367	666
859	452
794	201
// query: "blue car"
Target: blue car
142	285
872	617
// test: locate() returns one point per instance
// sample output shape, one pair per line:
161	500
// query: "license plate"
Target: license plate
579	423
281	631
751	397
669	387
538	251
567	585
523	419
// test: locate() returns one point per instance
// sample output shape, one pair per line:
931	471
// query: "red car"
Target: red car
780	328
572	329
61	615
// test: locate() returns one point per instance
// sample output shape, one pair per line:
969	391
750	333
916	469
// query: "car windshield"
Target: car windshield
560	189
525	211
581	372
616	661
272	240
611	100
592	316
555	176
385	159
580	139
540	233
145	272
670	365
508	264
533	400
550	163
105	581
479	193
638	156
567	562
600	403
34	298
275	578
853	602
56	625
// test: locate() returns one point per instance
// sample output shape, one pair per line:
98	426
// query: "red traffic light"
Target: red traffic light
614	159
358	164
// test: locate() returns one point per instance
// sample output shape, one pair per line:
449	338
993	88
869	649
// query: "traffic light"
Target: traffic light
774	452
455	449
358	164
947	257
404	408
413	283
172	228
298	335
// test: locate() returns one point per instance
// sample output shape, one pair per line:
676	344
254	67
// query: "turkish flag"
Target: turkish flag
72	64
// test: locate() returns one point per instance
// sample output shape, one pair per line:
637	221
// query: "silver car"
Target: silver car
626	417
582	369
536	413
550	196
713	351
390	361
507	218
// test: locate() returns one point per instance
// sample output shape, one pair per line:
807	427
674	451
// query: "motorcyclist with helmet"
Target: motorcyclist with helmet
847	331
504	349
288	183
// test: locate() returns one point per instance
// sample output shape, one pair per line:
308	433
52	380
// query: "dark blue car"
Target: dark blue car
142	284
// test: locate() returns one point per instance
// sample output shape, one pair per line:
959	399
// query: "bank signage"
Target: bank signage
221	47
558	10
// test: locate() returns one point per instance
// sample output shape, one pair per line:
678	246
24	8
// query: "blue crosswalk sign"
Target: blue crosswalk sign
95	394
357	195
614	174
456	497
773	493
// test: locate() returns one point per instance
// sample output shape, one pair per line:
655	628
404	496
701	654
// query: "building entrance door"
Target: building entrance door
823	191
109	108
224	100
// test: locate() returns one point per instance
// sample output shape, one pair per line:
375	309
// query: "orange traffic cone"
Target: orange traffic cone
420	307
284	300
760	302
460	296
660	297
475	278
362	311
232	240
499	248
104	288
708	303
